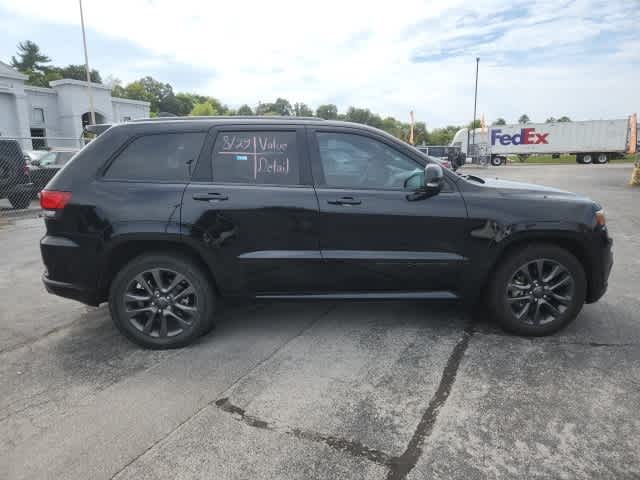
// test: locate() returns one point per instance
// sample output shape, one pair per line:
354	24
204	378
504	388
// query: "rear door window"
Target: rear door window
166	157
264	158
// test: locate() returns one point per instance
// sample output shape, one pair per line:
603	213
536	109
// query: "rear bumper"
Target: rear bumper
601	269
69	290
69	270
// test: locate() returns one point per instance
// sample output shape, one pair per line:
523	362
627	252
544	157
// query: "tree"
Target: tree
328	111
524	118
203	110
30	58
550	120
442	136
564	118
499	121
280	107
363	115
244	110
40	79
302	110
474	124
78	72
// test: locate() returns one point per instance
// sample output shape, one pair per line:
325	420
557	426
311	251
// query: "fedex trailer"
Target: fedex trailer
594	141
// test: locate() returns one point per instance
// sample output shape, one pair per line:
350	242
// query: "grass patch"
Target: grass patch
566	159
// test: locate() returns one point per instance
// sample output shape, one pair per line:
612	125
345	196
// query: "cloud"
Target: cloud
544	58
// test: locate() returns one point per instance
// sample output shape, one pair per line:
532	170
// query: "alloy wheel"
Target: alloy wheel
540	291
161	303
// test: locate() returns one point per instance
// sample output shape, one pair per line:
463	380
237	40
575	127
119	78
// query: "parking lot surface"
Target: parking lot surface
326	390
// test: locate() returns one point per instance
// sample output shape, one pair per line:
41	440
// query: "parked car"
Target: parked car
160	218
15	182
450	157
43	169
32	155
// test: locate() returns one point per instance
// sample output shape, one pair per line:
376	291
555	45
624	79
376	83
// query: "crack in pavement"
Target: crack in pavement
402	465
352	447
209	404
399	466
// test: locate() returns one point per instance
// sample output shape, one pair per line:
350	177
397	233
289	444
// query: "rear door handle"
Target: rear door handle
344	201
210	197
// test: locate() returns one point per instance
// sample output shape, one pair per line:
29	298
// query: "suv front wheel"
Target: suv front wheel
537	290
162	301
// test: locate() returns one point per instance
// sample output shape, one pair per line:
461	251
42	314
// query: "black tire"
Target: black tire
500	292
19	200
496	161
600	158
579	159
194	310
587	158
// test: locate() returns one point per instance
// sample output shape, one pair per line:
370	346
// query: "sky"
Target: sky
544	58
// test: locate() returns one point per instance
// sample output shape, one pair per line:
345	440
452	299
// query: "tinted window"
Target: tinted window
267	158
167	157
64	157
355	161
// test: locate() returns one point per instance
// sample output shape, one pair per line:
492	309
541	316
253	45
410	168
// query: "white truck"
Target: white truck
593	141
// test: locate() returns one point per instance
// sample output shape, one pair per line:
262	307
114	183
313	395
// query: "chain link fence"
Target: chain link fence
26	166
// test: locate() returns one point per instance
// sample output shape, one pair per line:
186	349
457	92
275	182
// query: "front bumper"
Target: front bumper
601	269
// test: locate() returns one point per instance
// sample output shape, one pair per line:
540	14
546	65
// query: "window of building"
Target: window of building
164	157
267	158
37	115
356	161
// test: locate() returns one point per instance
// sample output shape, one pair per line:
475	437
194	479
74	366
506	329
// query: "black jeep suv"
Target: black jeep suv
162	217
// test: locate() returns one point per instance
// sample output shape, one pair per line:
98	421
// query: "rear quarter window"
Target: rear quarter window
168	157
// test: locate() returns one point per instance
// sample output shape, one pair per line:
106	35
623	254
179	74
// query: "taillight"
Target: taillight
600	220
54	200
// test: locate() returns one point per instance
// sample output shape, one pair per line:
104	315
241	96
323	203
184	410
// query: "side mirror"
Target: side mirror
433	178
426	184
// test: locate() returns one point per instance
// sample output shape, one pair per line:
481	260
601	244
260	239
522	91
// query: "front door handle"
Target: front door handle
344	201
210	197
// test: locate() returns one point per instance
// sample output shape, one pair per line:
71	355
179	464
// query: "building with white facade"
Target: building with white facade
58	113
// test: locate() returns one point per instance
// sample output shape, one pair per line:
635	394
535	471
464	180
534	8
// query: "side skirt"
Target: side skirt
435	295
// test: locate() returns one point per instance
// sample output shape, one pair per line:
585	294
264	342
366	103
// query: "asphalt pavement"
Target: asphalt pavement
326	390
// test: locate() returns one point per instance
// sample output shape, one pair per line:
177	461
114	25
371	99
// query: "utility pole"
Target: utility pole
86	66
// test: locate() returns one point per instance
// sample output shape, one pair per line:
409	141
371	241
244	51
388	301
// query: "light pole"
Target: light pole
86	66
475	103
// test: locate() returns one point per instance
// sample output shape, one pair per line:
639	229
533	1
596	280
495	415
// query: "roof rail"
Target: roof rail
97	128
232	117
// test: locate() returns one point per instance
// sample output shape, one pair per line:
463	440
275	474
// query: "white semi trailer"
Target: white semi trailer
594	141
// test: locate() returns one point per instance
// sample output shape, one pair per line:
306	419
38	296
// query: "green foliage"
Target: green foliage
475	124
564	118
524	118
302	110
280	107
30	58
31	62
363	115
328	111
78	72
244	110
551	120
205	109
499	121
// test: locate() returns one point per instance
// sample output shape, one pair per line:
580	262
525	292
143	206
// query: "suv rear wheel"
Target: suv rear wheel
162	301
537	290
